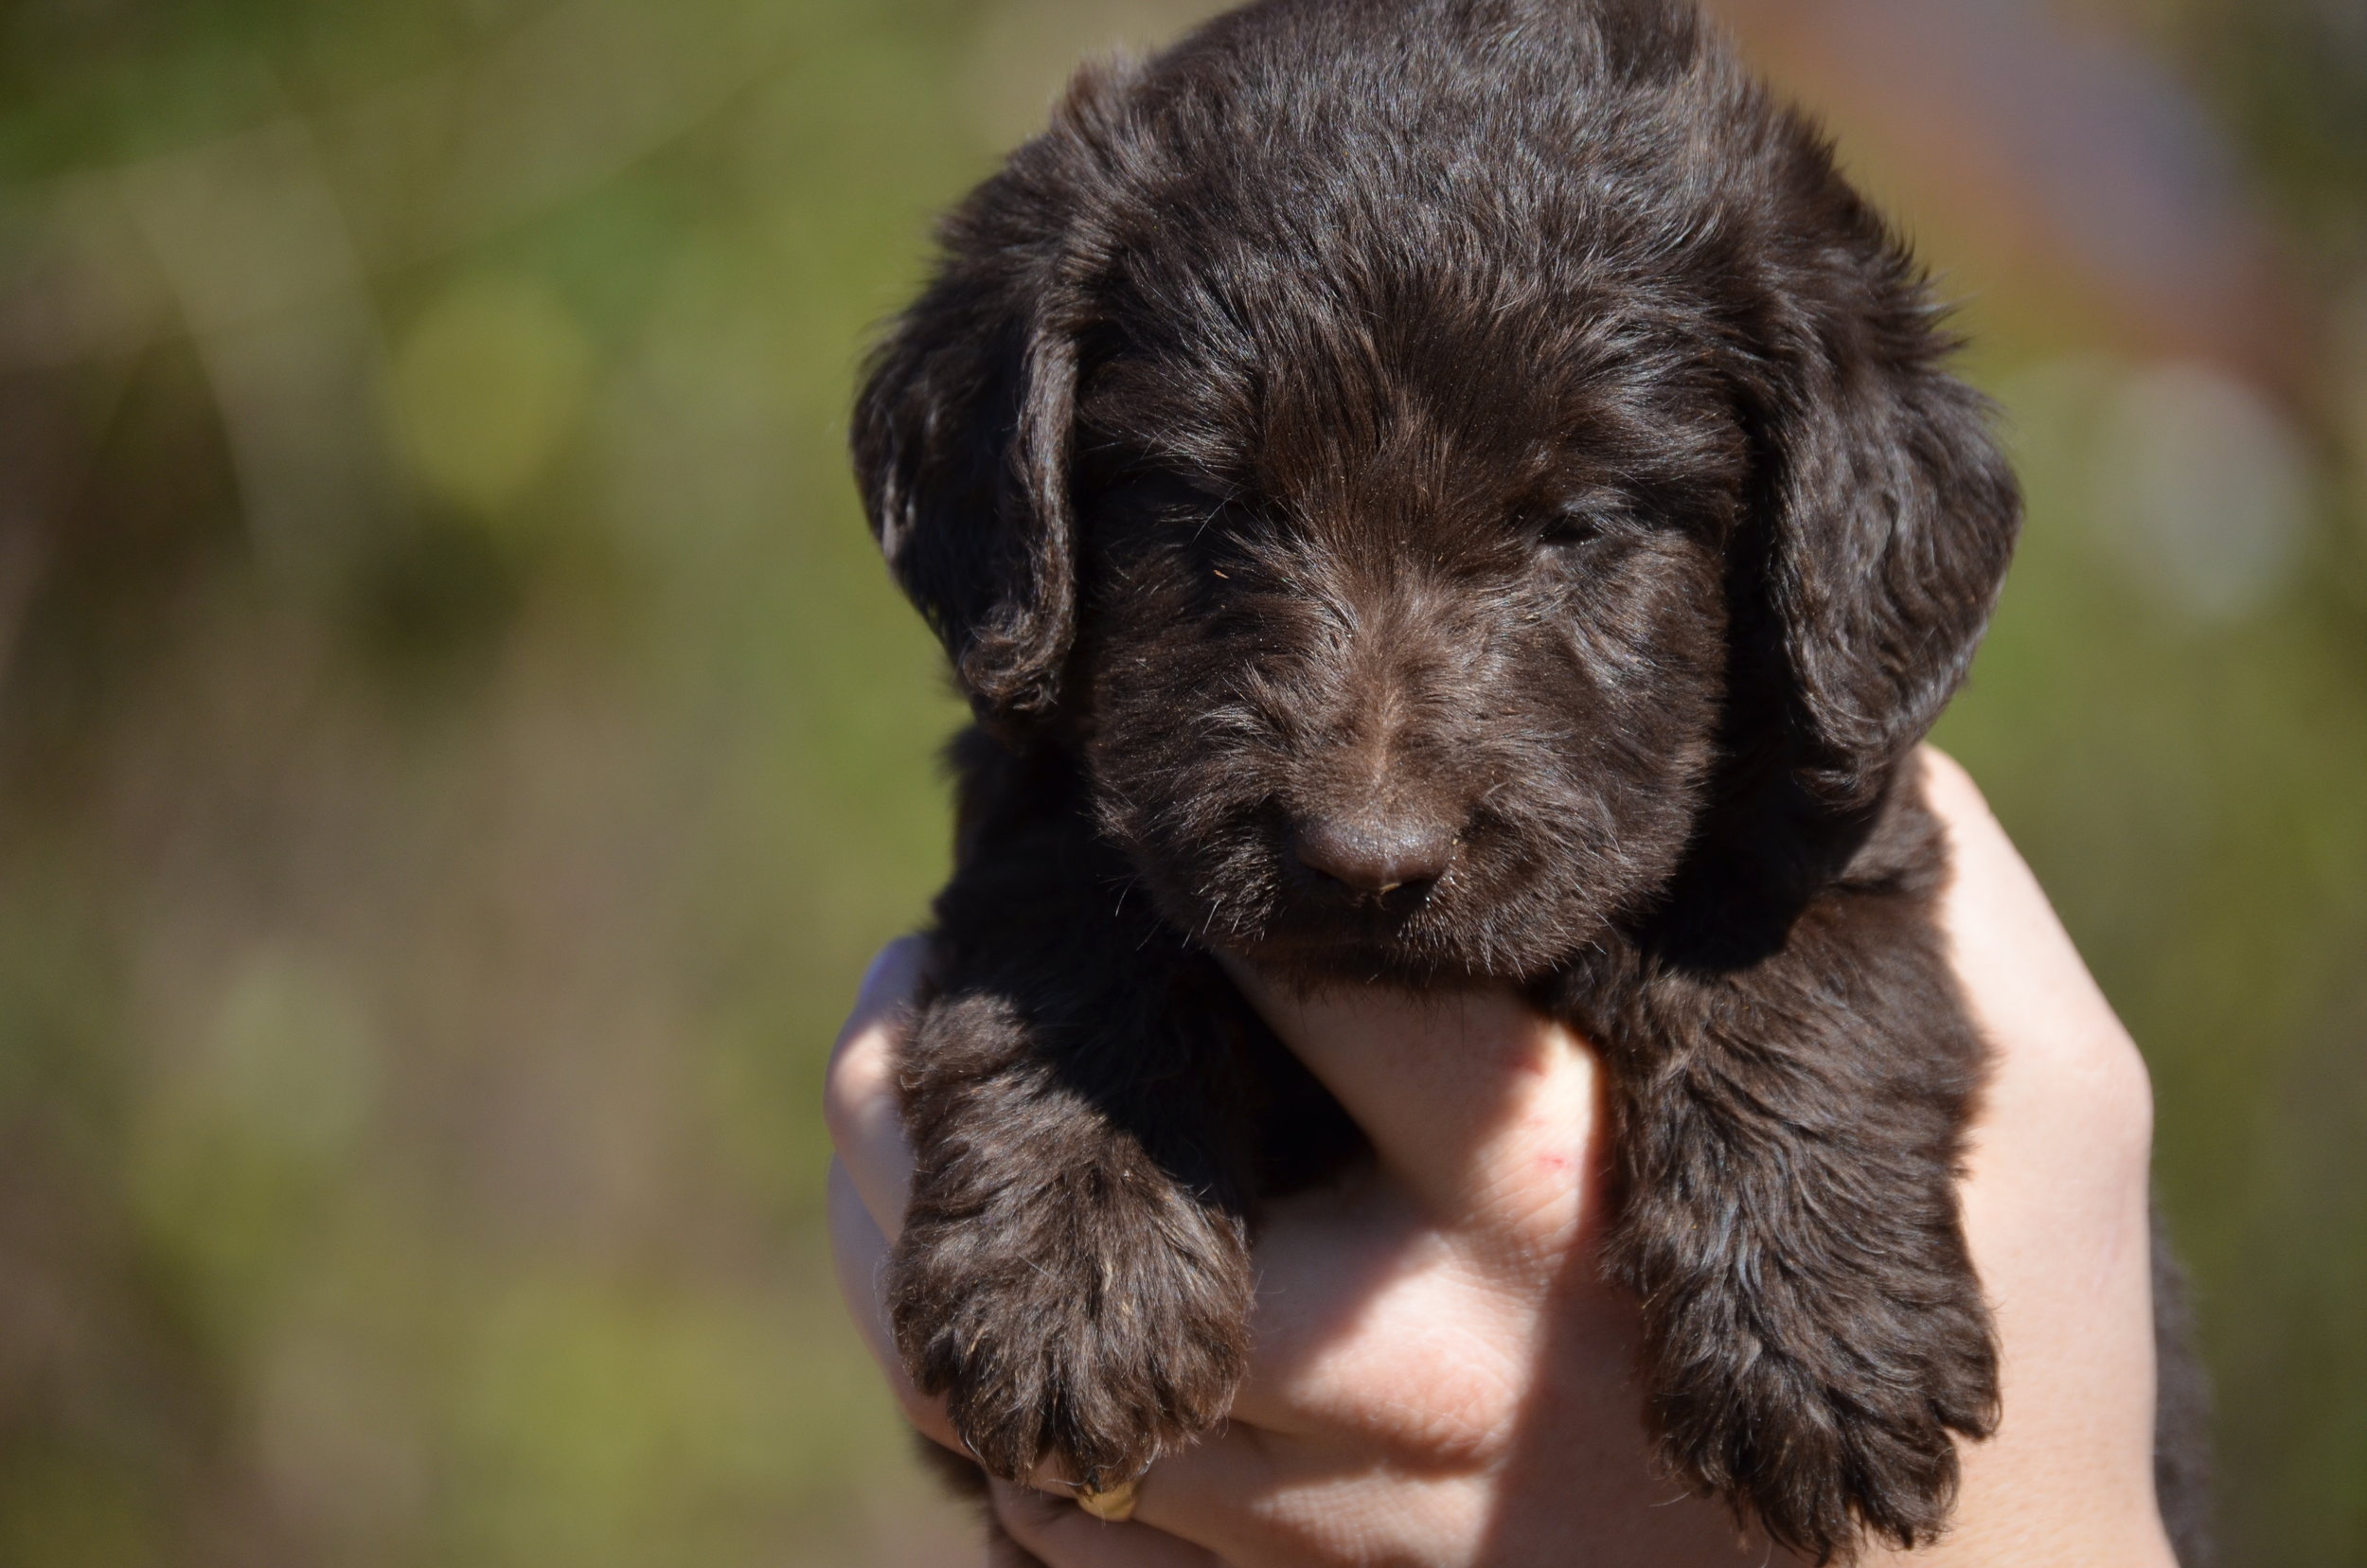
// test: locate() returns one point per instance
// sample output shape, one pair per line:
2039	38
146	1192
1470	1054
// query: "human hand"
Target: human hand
1441	1376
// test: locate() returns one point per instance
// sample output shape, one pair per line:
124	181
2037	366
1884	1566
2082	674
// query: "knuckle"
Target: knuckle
2118	1092
1949	788
1030	1517
2098	1079
861	1075
860	1079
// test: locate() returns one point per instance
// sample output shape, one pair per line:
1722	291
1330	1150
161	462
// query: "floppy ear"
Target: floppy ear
962	439
1890	518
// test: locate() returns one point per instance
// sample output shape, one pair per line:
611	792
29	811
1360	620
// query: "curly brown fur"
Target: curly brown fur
1431	491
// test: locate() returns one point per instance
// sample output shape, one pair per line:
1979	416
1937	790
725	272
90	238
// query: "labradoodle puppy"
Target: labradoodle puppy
1431	491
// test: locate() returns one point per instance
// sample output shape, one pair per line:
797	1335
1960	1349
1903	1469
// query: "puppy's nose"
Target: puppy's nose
1375	856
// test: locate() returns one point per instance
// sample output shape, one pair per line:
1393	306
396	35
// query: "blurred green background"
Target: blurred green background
458	749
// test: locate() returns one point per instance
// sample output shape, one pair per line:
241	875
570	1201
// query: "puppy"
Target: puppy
1429	492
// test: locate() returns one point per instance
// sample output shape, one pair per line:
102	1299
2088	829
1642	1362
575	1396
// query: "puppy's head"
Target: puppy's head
1450	472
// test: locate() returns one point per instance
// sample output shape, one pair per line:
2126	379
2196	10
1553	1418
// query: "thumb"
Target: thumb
1489	1113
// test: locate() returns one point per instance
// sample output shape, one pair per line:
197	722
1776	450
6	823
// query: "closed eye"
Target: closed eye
1162	510
1168	496
1568	530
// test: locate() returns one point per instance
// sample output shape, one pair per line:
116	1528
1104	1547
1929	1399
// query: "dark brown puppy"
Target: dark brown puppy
1426	491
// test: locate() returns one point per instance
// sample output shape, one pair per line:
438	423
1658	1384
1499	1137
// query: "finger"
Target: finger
860	1249
1378	1329
1279	1502
2068	1085
1489	1113
859	1102
1394	1381
1064	1535
1258	1499
2063	1136
2055	1202
2022	973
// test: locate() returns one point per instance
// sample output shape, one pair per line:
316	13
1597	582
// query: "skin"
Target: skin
1441	1378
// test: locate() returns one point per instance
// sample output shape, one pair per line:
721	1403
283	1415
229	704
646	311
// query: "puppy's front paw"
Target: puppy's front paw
1093	1328
1831	1419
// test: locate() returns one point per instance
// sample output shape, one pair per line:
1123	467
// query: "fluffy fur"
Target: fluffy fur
1430	491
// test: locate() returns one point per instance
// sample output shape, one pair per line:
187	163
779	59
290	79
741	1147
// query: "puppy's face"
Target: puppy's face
1452	477
1403	655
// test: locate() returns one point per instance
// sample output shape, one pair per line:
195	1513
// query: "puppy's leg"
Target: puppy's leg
1081	1092
1788	1135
